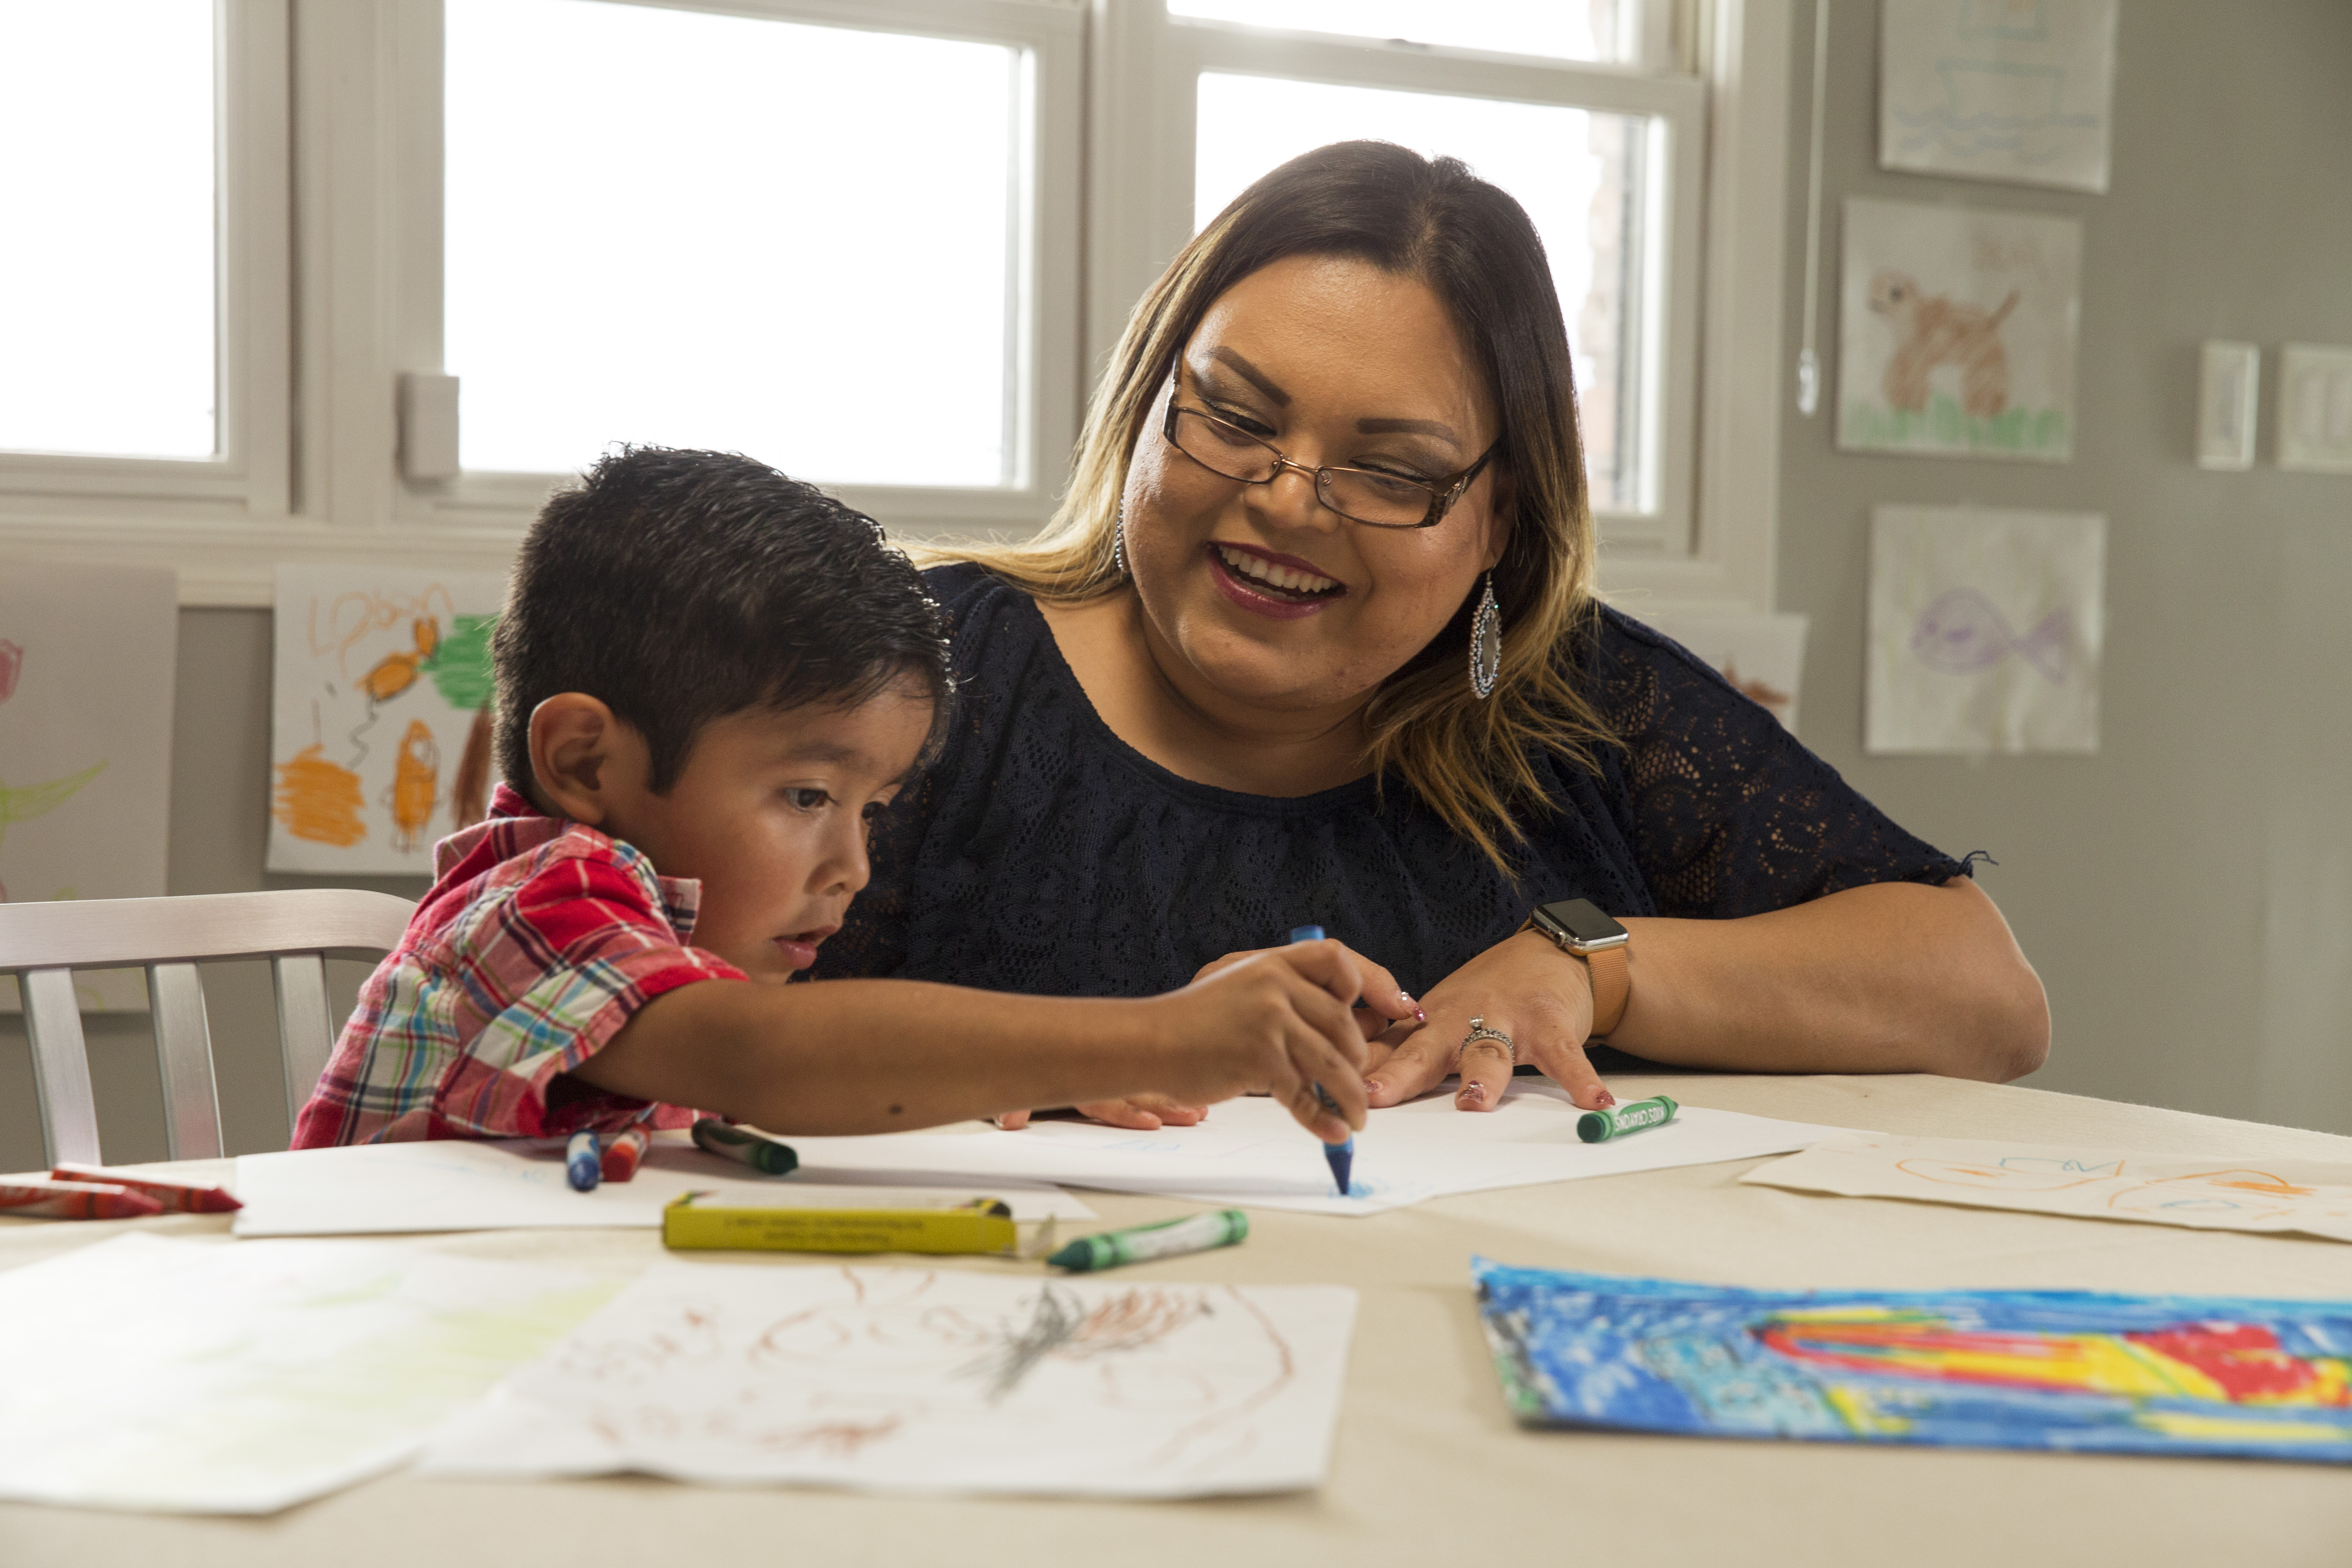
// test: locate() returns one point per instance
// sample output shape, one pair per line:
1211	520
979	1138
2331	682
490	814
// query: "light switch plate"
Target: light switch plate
2314	417
2226	396
428	426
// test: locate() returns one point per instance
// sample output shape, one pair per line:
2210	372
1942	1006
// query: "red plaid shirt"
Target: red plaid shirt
540	939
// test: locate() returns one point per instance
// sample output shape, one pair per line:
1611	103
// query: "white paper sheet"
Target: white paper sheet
1762	654
87	662
1995	90
1250	1153
375	745
913	1381
196	1377
2306	1198
518	1185
1957	332
1986	630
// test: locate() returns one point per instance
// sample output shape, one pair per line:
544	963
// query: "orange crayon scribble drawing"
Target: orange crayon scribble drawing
396	672
416	786
318	800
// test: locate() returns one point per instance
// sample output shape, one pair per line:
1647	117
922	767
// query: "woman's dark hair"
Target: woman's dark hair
1475	248
678	587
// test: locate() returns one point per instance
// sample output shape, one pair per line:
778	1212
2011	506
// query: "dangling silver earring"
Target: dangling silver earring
1119	542
1486	643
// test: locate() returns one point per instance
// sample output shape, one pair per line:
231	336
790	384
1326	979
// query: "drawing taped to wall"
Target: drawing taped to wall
2020	90
1957	332
380	728
1985	630
913	1379
88	655
1762	654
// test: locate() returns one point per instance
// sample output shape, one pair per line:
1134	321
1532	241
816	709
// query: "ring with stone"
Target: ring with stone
1479	1035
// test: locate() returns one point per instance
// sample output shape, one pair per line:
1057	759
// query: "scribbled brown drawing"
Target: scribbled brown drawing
416	786
1930	330
319	800
469	793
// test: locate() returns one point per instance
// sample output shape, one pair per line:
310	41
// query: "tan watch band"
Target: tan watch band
1612	980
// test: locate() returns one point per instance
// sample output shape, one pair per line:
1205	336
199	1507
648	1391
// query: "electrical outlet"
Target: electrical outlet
2314	417
2225	405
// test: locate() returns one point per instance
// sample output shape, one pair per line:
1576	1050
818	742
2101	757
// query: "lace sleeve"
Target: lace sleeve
1732	816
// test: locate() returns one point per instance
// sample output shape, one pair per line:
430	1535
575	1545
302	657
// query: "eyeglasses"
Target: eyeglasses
1359	495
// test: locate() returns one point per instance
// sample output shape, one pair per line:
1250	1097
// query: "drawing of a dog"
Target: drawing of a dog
1930	330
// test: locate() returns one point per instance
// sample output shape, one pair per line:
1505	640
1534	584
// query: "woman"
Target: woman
1314	640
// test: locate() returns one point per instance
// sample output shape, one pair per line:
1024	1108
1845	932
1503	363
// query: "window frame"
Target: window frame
247	474
1042	397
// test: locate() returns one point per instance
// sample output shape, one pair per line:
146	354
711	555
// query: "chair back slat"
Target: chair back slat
306	1028
183	1051
60	1065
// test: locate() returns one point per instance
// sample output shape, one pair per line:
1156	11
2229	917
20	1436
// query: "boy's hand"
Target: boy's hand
1141	1112
1381	1003
1279	1021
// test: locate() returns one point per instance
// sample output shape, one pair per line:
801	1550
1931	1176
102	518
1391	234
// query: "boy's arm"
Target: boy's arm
882	1056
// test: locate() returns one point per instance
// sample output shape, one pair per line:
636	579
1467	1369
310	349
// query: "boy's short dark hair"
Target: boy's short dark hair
678	587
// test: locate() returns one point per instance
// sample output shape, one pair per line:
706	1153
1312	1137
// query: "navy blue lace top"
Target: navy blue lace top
1040	853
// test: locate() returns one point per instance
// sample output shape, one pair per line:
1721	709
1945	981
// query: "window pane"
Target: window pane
698	230
106	267
1560	29
1577	172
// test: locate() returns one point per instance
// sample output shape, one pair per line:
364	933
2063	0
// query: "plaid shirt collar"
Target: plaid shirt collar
516	826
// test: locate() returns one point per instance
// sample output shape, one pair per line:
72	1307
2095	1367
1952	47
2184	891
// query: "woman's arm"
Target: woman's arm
881	1056
1892	977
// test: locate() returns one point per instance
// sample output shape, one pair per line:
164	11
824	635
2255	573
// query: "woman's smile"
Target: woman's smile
1281	587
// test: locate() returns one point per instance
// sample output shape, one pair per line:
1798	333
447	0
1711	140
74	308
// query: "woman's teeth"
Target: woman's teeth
1257	569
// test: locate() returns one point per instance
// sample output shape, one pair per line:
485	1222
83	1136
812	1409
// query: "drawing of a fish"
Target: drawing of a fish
1962	632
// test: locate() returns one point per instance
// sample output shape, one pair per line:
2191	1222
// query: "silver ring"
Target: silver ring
1478	1032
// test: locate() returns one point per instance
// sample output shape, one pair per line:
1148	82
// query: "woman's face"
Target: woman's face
1259	591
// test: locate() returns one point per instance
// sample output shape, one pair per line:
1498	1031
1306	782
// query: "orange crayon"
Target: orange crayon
177	1197
621	1153
38	1199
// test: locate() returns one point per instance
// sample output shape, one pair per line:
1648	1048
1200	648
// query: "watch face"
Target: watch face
1582	918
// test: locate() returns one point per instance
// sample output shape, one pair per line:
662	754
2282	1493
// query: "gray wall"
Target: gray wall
2187	894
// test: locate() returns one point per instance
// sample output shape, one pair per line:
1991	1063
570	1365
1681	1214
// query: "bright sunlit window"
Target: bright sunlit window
1560	29
796	242
108	233
1578	173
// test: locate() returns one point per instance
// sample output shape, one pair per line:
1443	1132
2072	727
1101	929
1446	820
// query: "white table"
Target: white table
1428	1469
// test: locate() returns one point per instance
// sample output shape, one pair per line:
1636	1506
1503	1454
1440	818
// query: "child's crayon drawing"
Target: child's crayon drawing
87	662
1998	1369
911	1380
382	674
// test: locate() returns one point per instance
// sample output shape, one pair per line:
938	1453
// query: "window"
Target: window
143	287
884	244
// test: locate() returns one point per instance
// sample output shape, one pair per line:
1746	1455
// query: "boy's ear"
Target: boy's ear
576	746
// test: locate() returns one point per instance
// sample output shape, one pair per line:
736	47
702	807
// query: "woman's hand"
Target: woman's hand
1524	988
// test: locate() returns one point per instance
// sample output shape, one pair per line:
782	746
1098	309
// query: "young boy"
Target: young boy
710	680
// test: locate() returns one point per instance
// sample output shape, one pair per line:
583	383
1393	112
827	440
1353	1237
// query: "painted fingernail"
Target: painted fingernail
1607	1100
1472	1090
1419	1017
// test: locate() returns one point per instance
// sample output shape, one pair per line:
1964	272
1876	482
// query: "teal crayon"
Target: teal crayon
764	1155
1339	1156
1600	1126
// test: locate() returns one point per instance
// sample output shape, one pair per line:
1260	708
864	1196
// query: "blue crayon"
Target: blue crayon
583	1163
1342	1154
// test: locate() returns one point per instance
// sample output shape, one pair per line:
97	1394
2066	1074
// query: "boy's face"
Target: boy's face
771	814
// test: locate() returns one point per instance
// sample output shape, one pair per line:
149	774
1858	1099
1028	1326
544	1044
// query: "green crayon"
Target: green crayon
764	1155
1600	1126
1169	1238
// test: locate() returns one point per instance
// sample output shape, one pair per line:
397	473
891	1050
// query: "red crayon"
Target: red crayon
38	1199
177	1197
621	1153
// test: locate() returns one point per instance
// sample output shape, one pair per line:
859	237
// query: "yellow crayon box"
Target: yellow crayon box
854	1222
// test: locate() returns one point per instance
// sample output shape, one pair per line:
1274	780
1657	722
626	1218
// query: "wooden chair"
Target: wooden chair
297	930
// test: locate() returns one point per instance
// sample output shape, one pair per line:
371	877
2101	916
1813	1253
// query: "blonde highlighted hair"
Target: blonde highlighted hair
1471	245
